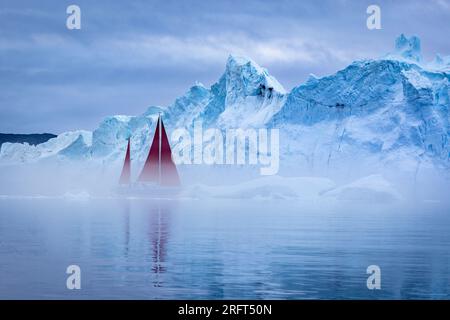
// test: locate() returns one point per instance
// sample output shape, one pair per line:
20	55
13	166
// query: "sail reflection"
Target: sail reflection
126	211
158	236
152	219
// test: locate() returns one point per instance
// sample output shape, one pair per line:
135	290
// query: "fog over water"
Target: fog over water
228	234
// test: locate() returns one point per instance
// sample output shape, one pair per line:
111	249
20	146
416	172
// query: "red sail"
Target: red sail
159	166
126	170
150	172
169	173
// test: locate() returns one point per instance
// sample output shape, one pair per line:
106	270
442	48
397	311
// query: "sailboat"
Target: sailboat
159	167
159	175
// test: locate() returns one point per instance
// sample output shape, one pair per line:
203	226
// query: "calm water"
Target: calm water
142	249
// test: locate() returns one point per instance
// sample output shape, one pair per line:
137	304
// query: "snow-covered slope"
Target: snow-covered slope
393	110
72	144
245	96
385	109
252	95
273	187
109	139
373	113
373	188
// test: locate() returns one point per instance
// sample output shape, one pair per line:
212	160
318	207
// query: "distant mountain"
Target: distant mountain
31	139
373	113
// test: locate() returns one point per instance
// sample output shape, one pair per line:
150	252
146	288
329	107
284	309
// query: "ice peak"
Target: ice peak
241	64
249	74
408	48
198	89
239	60
153	110
198	84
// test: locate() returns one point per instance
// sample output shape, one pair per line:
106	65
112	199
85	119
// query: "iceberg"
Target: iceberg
373	114
373	188
266	188
23	152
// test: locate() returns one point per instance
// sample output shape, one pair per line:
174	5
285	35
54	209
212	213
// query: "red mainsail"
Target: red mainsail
126	170
159	166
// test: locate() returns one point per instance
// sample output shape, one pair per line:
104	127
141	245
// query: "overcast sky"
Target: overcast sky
129	55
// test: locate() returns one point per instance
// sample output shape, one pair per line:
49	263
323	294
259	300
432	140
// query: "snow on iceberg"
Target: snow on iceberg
23	152
273	187
77	196
373	113
109	140
373	188
440	63
252	95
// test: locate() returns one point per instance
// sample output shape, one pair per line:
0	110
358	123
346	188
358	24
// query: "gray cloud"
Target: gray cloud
130	55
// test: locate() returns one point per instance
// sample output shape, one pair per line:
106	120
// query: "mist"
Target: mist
351	183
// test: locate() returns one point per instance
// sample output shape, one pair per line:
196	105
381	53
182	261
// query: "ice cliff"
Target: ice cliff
392	110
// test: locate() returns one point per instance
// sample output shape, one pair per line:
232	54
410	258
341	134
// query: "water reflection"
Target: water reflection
218	250
158	237
126	210
155	217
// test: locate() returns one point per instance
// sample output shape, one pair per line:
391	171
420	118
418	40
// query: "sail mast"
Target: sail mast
159	160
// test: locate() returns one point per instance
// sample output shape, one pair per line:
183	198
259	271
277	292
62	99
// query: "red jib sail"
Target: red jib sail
126	170
159	166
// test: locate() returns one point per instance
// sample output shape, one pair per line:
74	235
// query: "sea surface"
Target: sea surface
221	249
